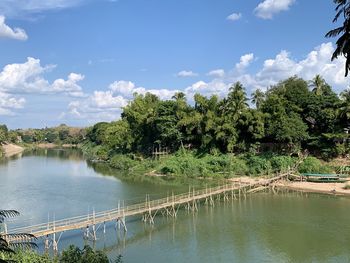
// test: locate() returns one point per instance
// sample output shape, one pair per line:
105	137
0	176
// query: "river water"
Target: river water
288	227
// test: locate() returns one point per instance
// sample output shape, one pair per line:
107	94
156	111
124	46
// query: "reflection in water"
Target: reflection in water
289	227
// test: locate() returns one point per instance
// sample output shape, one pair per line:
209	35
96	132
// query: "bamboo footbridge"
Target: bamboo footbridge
148	209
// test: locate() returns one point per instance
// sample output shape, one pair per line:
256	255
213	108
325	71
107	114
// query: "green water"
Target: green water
289	227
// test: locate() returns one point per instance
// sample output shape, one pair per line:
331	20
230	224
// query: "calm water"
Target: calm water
289	227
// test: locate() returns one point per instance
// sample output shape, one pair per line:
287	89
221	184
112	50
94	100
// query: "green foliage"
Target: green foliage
282	163
313	165
28	256
86	255
259	165
190	165
122	162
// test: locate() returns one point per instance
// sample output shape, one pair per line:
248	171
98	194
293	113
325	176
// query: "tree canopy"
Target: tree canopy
293	114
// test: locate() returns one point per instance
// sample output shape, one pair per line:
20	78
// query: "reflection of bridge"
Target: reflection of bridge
148	209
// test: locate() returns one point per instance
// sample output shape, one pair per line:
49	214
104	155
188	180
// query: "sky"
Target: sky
79	62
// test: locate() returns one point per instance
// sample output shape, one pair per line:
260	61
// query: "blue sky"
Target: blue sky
79	61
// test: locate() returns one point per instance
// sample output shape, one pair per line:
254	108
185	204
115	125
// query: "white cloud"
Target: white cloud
186	74
128	88
316	62
215	87
28	77
8	32
21	7
268	8
245	61
219	73
69	86
106	105
280	67
234	17
9	103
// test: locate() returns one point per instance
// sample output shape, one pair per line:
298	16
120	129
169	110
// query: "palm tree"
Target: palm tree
236	100
317	84
344	110
343	42
258	98
23	240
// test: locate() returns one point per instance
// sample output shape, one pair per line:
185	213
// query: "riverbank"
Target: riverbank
53	145
11	149
324	188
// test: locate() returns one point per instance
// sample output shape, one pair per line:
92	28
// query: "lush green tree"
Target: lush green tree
86	255
258	97
118	137
3	133
318	84
343	42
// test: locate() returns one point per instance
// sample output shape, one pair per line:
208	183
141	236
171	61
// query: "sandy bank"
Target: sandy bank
11	149
53	145
326	188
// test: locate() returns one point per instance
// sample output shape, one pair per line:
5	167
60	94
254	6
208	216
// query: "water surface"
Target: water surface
289	227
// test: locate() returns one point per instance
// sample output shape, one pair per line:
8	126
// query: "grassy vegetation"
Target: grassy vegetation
193	164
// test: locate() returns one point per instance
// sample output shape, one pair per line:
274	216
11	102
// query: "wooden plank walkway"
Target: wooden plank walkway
149	208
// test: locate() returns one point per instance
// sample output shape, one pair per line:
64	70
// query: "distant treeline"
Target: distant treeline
61	134
291	116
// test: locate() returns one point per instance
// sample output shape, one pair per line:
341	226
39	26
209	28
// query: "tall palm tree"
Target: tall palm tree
236	100
23	240
344	110
343	42
317	84
258	98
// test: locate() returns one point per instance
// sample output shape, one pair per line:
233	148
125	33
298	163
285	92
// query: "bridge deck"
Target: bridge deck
81	222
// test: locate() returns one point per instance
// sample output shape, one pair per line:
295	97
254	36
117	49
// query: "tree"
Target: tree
86	255
3	133
317	84
23	239
258	97
344	110
343	43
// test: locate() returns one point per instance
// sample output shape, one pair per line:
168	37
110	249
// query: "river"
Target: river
288	227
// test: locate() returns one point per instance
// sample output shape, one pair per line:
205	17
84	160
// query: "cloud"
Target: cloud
9	103
27	77
22	7
268	8
234	17
8	32
218	73
186	74
107	105
280	67
245	61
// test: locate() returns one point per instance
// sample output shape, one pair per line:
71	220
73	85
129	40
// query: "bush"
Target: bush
87	255
313	165
121	162
185	164
258	165
29	257
281	163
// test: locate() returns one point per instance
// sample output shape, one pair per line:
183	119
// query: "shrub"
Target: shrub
87	255
121	162
313	165
281	163
258	165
